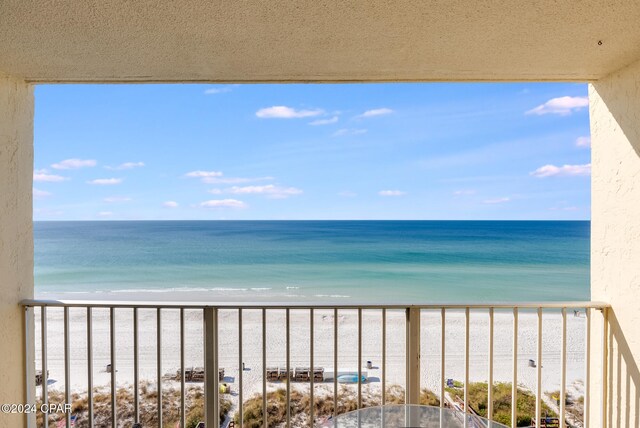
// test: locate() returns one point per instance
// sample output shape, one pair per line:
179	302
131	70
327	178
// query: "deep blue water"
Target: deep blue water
358	261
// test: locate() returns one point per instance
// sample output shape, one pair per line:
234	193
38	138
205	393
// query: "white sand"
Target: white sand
323	355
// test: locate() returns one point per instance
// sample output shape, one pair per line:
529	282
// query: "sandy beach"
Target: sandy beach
323	347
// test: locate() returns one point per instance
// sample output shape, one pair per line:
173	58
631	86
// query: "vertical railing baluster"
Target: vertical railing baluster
335	362
182	385
159	363
112	335
136	368
30	361
67	366
265	413
442	355
466	361
211	391
90	366
605	365
240	371
514	385
288	365
359	358
587	369
45	377
563	369
384	356
539	371
313	372
490	364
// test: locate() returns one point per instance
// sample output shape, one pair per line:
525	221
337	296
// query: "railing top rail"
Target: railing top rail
306	305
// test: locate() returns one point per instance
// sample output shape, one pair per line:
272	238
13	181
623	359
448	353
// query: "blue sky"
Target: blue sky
344	151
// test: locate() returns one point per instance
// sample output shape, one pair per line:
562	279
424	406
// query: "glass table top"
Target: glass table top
398	416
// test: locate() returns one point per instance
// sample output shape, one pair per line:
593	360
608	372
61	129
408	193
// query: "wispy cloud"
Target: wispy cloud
564	208
464	192
203	174
348	131
562	171
347	194
116	199
329	121
126	165
170	204
37	193
496	200
42	175
583	142
284	112
270	190
391	193
234	180
223	203
105	214
375	112
219	89
74	164
215	191
105	181
562	106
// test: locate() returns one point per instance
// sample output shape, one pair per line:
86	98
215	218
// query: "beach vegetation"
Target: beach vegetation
574	406
526	403
323	405
194	405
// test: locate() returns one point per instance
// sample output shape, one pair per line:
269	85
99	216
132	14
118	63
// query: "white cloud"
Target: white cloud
334	119
348	131
219	89
126	165
391	193
464	192
275	192
37	193
562	171
567	208
233	180
223	203
203	174
376	112
562	106
215	191
74	164
116	199
42	175
170	204
284	112
583	142
105	214
496	200
105	181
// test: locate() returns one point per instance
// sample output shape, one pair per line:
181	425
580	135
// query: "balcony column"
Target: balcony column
16	237
413	356
615	244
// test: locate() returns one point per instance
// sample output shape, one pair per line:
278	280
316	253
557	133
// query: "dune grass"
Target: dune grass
526	403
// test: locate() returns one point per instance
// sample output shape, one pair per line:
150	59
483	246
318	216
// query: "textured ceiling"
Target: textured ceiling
319	40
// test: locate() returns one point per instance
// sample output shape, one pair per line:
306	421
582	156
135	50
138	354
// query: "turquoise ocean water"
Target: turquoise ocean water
351	261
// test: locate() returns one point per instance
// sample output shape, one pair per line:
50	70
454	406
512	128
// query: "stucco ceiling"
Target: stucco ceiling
316	40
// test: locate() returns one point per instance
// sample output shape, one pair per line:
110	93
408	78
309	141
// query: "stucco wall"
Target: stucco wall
16	235
615	252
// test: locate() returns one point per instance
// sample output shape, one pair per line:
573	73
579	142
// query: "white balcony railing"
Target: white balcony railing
415	321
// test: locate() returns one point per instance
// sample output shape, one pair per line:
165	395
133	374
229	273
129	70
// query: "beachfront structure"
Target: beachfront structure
330	41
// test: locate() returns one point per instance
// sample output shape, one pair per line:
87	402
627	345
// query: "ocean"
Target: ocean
329	261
